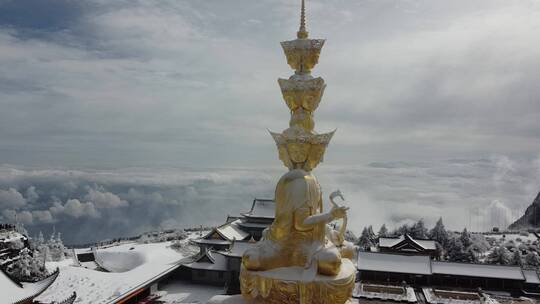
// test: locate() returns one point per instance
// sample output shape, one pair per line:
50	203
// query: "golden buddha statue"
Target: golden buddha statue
300	258
298	235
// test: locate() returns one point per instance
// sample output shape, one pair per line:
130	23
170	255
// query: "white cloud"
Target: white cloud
479	194
12	216
11	198
43	216
76	209
105	199
31	194
25	217
435	80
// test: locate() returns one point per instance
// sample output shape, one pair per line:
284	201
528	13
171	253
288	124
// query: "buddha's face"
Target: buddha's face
298	152
316	155
284	157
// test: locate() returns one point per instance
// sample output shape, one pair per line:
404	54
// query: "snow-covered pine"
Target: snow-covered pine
419	230
465	238
532	259
372	235
365	242
439	233
516	258
28	268
499	256
350	236
455	251
383	231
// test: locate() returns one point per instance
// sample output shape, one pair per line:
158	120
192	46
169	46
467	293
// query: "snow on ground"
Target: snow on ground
95	287
185	292
524	237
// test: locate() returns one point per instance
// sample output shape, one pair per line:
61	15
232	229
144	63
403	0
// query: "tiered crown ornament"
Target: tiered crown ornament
299	146
301	258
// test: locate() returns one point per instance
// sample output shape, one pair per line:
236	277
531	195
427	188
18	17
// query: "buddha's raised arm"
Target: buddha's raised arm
304	220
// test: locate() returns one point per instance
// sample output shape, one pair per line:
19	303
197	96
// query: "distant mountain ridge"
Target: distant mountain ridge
531	218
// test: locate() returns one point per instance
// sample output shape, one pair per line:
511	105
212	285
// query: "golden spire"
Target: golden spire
302	33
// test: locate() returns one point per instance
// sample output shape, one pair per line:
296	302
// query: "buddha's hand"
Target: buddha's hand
338	212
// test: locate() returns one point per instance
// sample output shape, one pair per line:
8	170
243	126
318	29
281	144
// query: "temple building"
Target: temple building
220	250
406	244
420	270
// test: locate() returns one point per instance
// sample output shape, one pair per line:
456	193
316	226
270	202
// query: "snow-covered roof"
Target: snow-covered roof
227	232
478	270
252	225
394	263
262	208
94	287
217	262
232	231
212	241
389	242
531	276
417	264
238	249
386	242
11	292
426	244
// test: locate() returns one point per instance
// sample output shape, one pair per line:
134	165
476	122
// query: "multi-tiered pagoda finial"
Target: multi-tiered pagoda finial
299	146
302	33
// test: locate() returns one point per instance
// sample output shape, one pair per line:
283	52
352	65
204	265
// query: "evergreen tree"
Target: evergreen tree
532	259
455	251
439	251
499	255
350	236
471	256
40	241
372	235
402	230
19	227
27	267
516	258
365	241
419	230
465	238
439	233
383	231
22	267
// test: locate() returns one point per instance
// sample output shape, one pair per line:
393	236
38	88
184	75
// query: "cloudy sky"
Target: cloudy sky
121	116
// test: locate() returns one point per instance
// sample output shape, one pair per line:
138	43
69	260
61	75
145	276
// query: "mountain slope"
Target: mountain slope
531	218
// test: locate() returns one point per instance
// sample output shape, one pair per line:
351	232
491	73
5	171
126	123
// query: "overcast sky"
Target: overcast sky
106	85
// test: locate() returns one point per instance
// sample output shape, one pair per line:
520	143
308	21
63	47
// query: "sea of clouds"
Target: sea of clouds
89	205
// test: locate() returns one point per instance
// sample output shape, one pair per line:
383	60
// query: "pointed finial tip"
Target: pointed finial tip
302	33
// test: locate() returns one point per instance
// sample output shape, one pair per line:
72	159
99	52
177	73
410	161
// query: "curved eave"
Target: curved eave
45	284
254	225
258	217
211	242
69	300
